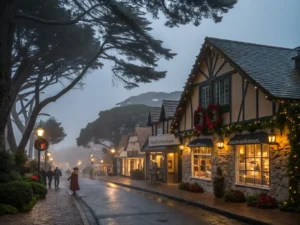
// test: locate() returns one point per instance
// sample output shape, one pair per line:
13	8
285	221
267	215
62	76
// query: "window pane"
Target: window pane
265	164
217	93
241	177
257	150
250	177
265	179
226	91
249	150
257	178
202	163
265	150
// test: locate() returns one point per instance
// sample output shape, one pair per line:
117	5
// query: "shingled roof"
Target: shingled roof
270	67
154	114
169	107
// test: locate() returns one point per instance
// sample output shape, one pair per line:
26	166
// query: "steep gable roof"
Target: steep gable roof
154	113
142	134
271	67
123	142
169	108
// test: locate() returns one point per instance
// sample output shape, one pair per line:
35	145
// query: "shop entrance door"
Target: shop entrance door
171	168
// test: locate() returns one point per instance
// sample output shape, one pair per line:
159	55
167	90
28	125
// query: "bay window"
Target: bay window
201	158
252	163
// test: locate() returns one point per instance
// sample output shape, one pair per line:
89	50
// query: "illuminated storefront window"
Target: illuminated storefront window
252	163
201	162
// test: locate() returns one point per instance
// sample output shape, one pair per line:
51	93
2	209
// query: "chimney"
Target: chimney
297	59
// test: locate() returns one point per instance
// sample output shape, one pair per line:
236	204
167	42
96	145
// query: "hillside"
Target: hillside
151	99
113	122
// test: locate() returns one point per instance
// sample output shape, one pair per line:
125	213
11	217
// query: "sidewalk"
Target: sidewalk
59	208
239	211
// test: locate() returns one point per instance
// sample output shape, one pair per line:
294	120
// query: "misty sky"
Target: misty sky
270	22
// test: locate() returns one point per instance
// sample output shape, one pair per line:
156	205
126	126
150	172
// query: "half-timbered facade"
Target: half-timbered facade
162	147
226	112
133	158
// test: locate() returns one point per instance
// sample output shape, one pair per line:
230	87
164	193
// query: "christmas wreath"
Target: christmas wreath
199	119
214	116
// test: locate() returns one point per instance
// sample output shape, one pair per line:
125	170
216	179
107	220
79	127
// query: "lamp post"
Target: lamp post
114	166
41	145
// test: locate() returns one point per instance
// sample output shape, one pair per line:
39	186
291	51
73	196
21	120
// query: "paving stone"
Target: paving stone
57	209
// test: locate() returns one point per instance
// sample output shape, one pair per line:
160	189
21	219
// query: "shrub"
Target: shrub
234	196
195	187
252	200
20	160
137	174
266	202
181	186
16	193
29	206
7	209
6	162
32	166
15	175
219	184
187	186
38	189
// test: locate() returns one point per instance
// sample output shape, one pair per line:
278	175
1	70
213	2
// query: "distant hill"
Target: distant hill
151	99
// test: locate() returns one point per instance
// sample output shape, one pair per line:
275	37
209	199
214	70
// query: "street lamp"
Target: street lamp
113	151
40	132
41	145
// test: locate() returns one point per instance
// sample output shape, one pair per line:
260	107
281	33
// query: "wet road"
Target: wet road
114	205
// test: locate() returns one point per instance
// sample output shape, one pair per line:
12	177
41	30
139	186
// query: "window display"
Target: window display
202	162
253	164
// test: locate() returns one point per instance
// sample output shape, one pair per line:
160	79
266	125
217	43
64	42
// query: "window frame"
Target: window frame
211	83
245	170
224	94
201	154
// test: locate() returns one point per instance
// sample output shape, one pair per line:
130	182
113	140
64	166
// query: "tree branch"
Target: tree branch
53	22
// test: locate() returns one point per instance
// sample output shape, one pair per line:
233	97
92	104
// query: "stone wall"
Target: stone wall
225	159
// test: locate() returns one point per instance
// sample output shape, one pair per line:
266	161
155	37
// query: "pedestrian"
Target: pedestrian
43	175
50	176
74	186
57	174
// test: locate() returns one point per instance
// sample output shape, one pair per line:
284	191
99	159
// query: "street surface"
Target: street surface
114	205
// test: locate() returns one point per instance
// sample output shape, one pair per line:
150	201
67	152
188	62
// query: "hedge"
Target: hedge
16	193
7	209
38	189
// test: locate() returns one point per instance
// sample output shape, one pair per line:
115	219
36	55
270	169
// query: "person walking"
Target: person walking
74	186
43	175
57	174
50	176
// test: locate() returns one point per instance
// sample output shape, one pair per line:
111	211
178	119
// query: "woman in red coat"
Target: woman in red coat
74	186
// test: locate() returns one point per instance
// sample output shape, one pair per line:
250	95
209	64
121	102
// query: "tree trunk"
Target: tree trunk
30	150
7	27
28	130
11	137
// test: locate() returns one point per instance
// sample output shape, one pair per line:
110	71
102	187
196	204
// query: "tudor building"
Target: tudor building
162	147
227	116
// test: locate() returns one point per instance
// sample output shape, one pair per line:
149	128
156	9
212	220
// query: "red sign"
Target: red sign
41	144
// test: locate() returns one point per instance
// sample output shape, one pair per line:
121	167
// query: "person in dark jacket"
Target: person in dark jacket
50	176
57	174
43	175
74	186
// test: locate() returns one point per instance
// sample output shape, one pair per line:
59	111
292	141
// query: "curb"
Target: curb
82	214
240	218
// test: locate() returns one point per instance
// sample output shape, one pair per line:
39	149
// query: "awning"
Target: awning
254	138
201	142
147	148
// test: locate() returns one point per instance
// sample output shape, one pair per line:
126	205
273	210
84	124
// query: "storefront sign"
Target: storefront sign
132	153
163	140
245	141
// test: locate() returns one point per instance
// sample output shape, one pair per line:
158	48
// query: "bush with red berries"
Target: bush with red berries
195	187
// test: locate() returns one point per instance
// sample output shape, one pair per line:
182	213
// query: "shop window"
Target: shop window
253	165
221	92
201	162
204	96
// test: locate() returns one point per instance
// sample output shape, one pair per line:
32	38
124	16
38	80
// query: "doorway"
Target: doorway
171	168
